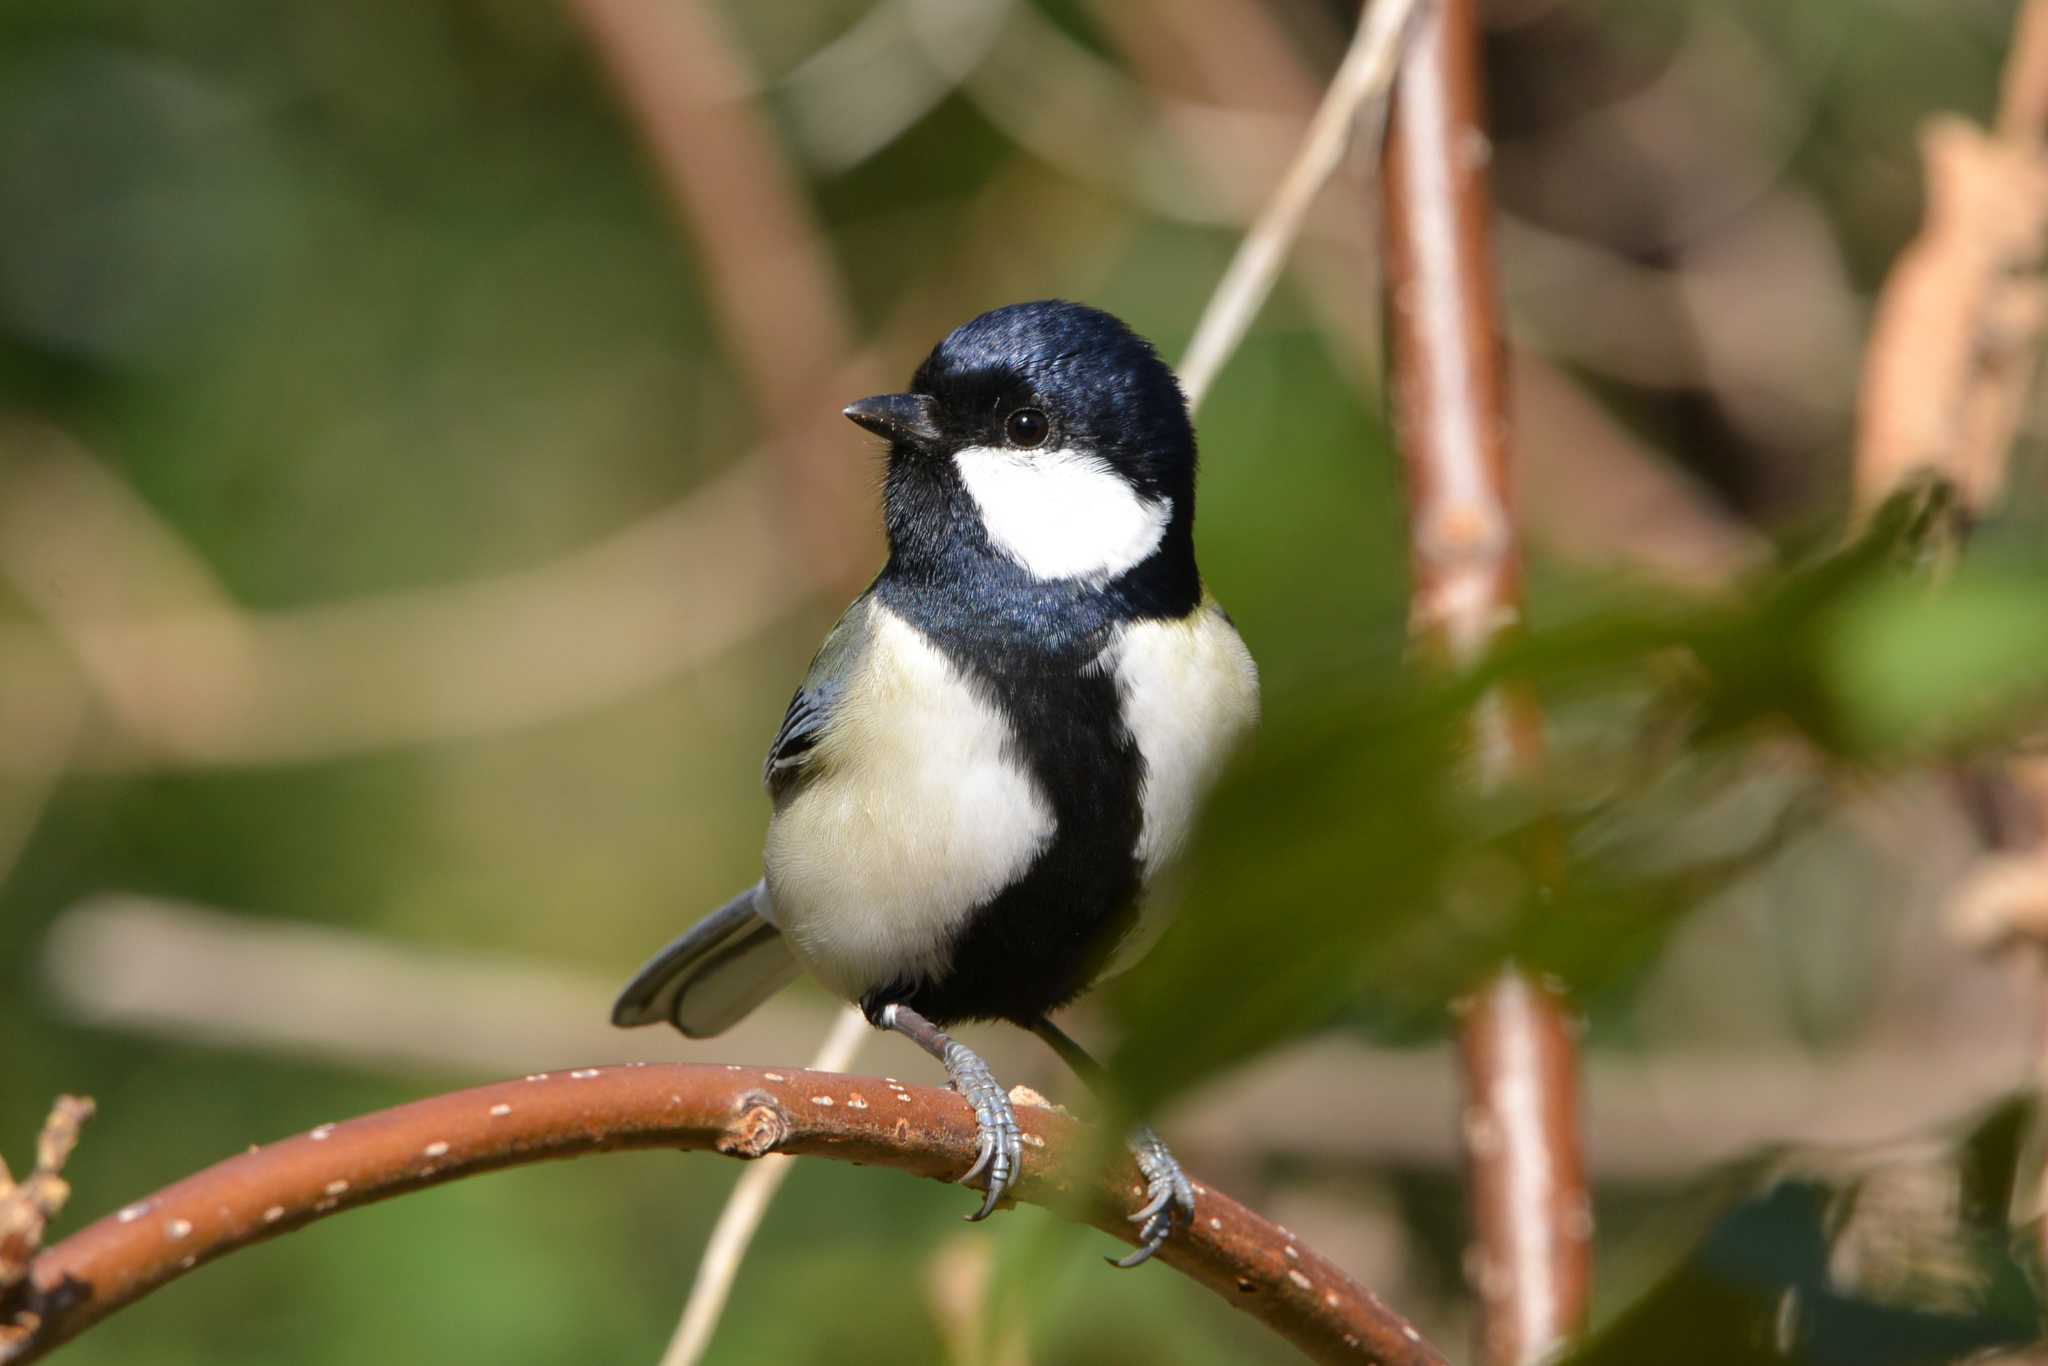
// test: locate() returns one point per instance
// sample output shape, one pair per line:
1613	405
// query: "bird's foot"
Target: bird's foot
1002	1142
1169	1196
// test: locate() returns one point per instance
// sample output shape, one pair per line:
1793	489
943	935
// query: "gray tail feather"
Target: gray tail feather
713	974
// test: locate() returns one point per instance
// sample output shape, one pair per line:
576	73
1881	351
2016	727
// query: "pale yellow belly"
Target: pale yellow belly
916	815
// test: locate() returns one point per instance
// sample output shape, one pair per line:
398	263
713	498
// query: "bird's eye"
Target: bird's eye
1027	427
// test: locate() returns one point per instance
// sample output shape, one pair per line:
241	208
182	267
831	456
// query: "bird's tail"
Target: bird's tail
718	970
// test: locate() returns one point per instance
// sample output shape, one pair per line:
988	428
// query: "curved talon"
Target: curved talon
1154	1235
1001	1150
1157	1203
1140	1257
1170	1197
1000	1155
988	1150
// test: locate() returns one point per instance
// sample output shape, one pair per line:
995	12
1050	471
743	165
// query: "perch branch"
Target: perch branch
170	971
744	1210
740	1111
1531	1257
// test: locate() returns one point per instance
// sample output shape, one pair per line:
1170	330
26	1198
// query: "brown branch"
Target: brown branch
740	1111
746	1206
1531	1260
1532	1253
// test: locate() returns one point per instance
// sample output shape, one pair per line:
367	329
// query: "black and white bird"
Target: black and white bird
1005	740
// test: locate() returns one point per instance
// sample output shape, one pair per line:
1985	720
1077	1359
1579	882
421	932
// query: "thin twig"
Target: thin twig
27	1206
1364	76
2023	89
841	112
26	1210
201	682
744	1210
1531	1256
1249	58
1955	342
1076	110
743	1112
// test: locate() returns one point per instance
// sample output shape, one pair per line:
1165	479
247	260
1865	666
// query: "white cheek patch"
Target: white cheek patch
1062	514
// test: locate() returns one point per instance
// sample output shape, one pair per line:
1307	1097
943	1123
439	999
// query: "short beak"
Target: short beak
899	417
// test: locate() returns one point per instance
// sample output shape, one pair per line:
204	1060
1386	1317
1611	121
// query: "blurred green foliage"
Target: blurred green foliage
1429	885
1884	1260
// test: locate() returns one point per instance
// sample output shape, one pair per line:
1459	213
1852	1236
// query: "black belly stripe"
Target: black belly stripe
1040	942
1044	938
1037	647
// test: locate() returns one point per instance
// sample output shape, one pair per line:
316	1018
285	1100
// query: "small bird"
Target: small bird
1005	740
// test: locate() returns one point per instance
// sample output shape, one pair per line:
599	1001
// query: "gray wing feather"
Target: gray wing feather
734	958
713	973
811	710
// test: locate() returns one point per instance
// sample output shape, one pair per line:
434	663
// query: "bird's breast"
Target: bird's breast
920	811
1189	694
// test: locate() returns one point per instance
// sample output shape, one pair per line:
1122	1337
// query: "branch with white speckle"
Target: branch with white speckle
744	1210
740	1111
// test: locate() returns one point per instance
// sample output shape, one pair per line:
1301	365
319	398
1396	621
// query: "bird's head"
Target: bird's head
1053	431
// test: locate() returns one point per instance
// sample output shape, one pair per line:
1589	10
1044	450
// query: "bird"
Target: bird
1004	743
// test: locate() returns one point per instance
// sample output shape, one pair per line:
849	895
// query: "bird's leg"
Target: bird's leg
1167	1188
1002	1142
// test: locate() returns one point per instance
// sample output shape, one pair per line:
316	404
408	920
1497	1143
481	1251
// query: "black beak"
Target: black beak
899	417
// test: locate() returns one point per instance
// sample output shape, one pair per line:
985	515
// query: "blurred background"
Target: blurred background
421	485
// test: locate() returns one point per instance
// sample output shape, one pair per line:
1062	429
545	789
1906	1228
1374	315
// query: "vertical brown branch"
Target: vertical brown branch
1531	1256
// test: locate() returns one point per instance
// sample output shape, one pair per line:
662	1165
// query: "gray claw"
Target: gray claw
988	1150
1156	1204
1170	1193
1002	1142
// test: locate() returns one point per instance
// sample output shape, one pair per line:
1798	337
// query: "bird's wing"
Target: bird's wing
810	711
718	970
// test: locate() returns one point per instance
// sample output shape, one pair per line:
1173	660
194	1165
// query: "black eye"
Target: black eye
1027	427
